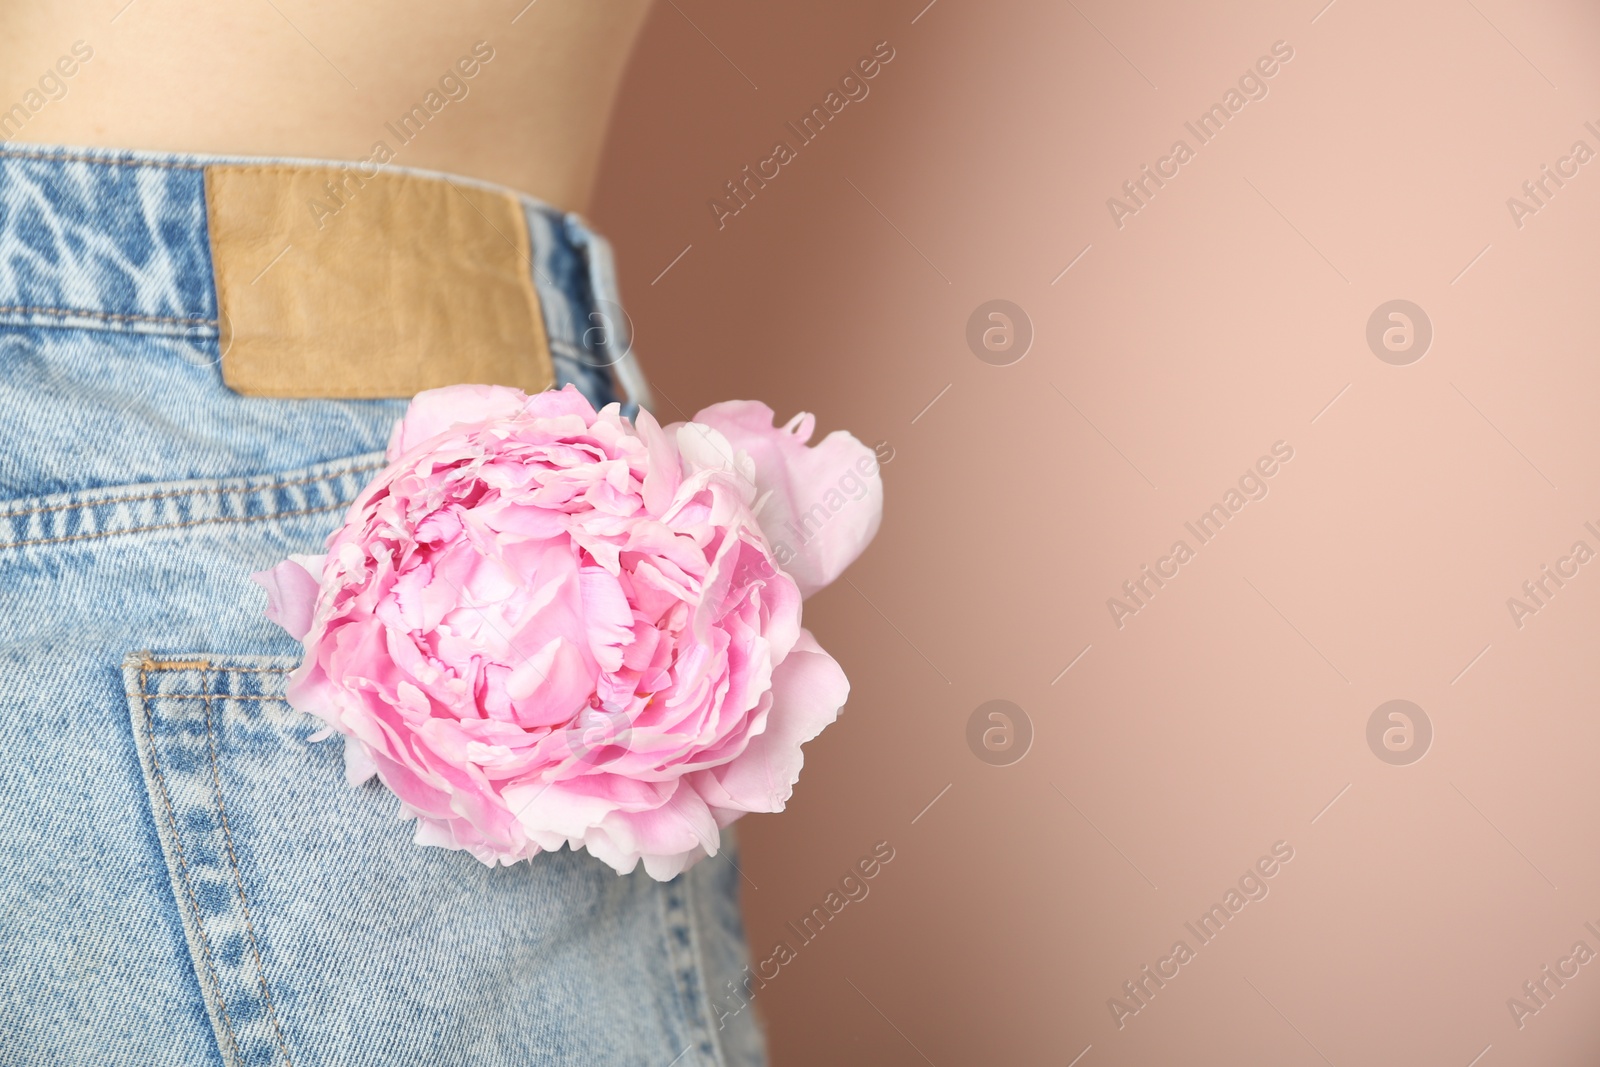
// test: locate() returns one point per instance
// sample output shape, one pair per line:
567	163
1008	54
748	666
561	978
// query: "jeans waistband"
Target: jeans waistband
118	240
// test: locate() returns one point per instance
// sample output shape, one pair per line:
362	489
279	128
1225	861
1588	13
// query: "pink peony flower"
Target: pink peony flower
543	625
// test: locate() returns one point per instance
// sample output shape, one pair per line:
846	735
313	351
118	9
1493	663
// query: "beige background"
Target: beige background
1224	317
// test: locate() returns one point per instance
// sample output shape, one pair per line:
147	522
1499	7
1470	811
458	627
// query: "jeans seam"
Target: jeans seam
233	863
197	696
171	526
699	969
110	316
209	201
171	494
183	867
687	970
78	157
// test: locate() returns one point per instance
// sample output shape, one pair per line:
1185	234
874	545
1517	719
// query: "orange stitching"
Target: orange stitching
171	526
238	879
72	157
183	867
205	664
175	664
309	479
116	316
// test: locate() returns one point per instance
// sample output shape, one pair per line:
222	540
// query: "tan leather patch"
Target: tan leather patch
394	284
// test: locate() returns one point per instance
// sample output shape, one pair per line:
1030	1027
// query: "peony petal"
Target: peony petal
663	473
667	838
704	448
436	410
607	617
292	592
808	689
822	504
358	765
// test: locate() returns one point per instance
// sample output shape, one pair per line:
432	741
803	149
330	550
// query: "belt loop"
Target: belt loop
616	334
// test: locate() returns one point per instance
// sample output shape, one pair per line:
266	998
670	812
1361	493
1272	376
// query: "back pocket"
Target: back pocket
321	934
179	709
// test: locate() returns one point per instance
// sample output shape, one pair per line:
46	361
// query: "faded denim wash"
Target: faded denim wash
185	877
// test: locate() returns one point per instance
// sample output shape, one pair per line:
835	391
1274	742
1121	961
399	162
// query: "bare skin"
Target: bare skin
294	78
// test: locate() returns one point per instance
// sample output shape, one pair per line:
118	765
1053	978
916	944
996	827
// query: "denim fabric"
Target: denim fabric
185	877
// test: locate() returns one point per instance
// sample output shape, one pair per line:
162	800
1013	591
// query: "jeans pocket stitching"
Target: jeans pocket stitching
88	515
172	526
222	490
683	950
184	782
182	864
233	863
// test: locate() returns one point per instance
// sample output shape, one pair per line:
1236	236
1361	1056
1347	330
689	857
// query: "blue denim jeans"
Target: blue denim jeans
185	877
